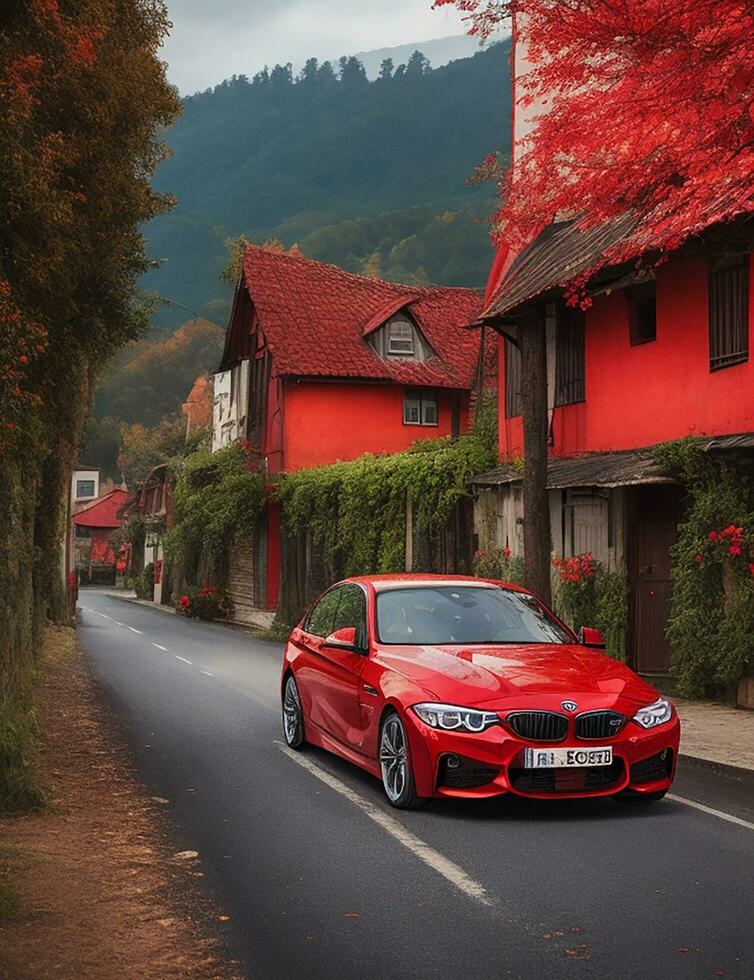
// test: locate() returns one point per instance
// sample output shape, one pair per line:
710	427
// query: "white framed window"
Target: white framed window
84	488
401	341
420	408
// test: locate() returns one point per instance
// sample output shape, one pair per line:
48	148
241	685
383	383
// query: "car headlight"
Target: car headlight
654	714
449	717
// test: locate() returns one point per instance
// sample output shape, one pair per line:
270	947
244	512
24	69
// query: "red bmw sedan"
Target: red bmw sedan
450	686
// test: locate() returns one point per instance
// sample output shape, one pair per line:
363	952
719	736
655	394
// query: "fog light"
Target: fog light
452	762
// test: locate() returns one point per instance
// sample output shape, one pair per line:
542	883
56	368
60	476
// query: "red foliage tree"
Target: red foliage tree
648	109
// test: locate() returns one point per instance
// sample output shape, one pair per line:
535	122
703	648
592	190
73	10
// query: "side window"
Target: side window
352	611
569	356
641	301
322	616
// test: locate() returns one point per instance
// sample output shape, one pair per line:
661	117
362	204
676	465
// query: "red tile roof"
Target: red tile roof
104	512
315	317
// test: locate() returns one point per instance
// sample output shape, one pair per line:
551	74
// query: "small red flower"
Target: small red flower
697	558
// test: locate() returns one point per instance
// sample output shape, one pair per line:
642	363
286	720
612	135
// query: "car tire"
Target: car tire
395	764
630	797
293	714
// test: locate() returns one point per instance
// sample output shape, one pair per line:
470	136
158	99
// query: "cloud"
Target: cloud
212	40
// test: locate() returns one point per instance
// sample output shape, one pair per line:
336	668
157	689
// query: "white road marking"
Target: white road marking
133	630
207	673
739	821
106	617
118	624
159	647
432	858
184	660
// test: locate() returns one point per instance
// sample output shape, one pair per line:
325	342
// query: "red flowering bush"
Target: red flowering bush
207	603
576	569
500	564
577	597
731	543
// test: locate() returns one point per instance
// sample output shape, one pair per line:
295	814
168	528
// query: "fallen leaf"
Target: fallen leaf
160	799
186	855
352	915
223	918
682	949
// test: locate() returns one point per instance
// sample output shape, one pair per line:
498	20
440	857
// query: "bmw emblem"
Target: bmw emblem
569	705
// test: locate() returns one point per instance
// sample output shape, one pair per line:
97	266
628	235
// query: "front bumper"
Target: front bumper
462	764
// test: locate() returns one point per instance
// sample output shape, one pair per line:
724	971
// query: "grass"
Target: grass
21	788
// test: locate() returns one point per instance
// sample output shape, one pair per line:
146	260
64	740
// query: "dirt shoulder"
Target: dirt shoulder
92	888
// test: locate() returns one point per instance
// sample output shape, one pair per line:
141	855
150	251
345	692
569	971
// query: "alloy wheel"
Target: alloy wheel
293	717
393	758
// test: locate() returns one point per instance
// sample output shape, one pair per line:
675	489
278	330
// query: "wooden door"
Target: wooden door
655	512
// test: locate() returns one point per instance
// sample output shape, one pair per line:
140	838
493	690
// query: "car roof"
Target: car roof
381	583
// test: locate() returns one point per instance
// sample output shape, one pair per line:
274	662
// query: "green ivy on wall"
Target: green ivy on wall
711	623
216	500
355	512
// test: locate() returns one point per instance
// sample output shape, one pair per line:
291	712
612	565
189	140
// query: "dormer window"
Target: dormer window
400	337
401	341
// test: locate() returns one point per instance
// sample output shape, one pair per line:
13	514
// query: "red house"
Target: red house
662	353
94	554
323	365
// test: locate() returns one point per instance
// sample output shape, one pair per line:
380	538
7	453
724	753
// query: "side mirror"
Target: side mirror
344	639
589	637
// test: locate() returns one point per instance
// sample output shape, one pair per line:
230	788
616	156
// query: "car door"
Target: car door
331	677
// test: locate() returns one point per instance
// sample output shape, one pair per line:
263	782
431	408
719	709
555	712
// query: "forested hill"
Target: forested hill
343	166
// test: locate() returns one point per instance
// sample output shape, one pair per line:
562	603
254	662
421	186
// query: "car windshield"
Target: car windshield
464	614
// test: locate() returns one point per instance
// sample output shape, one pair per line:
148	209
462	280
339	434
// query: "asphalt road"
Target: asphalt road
323	880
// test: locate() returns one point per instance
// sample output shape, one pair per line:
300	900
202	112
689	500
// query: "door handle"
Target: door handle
646	570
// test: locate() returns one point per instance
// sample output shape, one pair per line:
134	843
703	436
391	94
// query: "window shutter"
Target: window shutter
512	380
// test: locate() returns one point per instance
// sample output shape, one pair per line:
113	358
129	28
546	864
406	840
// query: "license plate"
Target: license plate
567	758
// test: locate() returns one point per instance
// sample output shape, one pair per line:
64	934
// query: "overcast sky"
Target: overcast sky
213	39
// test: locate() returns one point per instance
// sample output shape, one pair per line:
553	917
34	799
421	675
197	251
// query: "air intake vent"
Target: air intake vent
582	780
599	724
539	726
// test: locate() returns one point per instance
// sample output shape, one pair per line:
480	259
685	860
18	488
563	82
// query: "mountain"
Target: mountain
301	159
440	51
368	175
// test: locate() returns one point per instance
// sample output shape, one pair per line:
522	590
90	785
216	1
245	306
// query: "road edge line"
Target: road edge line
428	855
720	814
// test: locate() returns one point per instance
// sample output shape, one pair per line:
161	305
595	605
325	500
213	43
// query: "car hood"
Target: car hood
499	676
